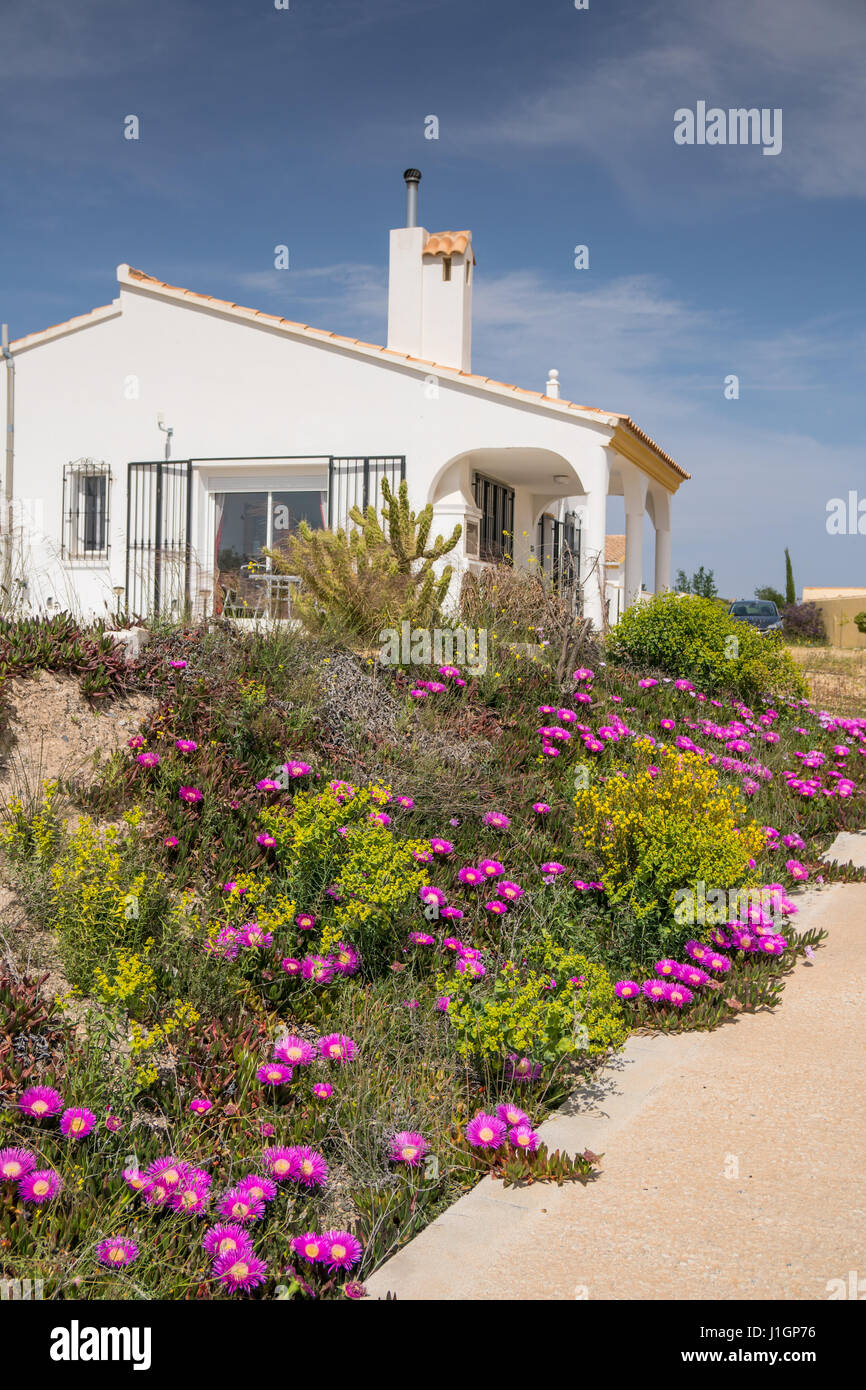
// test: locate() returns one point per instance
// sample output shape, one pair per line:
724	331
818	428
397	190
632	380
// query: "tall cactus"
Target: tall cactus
374	576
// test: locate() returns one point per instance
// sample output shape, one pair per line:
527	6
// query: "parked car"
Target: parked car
757	612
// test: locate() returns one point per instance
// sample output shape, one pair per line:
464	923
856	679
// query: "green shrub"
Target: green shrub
97	902
551	1005
686	636
659	832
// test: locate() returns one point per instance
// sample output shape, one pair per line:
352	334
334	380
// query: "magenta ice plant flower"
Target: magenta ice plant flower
336	1047
116	1251
16	1164
523	1137
226	1239
297	1052
311	1247
274	1074
408	1147
76	1122
626	989
237	1205
309	1167
40	1102
240	1272
486	1131
342	1250
40	1185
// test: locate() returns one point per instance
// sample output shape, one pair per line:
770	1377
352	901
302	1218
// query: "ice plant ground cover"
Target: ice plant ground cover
325	976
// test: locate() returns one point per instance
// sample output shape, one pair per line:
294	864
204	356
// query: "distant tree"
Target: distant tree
702	583
790	590
771	595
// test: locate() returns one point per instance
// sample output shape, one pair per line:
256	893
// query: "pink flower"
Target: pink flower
185	745
40	1186
496	819
540	807
523	1137
274	1074
336	1047
40	1102
408	1147
432	896
116	1252
509	890
626	989
343	1250
148	759
190	794
240	1272
76	1123
295	1051
441	846
491	868
486	1131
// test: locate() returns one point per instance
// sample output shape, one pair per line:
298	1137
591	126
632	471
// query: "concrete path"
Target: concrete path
733	1160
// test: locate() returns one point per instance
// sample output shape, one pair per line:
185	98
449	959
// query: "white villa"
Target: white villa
155	445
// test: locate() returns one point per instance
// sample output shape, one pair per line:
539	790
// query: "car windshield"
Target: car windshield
754	608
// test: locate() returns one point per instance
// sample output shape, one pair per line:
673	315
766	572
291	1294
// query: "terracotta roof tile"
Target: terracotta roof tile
614	550
448	244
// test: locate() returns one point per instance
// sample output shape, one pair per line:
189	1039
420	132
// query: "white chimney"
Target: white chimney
552	387
430	289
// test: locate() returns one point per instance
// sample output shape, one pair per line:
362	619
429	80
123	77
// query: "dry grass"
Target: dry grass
836	676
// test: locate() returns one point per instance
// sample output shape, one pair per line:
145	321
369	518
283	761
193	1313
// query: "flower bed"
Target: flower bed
331	981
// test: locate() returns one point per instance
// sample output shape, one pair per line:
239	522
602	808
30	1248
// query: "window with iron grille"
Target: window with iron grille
86	494
357	481
495	501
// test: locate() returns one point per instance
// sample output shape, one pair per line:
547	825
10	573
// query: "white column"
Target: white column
633	555
663	559
594	525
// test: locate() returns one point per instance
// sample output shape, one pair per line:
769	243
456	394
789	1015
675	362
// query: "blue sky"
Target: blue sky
261	126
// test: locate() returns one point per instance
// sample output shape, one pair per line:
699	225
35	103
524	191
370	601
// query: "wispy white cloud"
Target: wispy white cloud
619	110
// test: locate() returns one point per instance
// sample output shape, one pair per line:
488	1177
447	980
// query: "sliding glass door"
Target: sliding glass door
248	523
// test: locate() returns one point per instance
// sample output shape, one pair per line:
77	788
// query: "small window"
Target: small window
446	267
86	492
